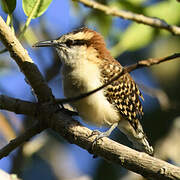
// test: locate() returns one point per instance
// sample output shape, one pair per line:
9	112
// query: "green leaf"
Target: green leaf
35	7
8	6
135	37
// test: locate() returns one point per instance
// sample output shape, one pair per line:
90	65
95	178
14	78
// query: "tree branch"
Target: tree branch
18	106
139	162
25	63
74	132
139	18
13	144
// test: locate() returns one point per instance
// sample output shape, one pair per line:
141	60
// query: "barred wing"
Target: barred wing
123	93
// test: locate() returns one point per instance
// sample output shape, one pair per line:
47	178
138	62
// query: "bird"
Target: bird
86	65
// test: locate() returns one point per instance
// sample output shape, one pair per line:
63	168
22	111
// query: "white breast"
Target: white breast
95	108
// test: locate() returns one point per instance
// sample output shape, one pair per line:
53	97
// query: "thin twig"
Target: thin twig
13	144
140	64
139	18
30	16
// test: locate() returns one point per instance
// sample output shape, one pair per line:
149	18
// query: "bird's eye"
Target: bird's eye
69	42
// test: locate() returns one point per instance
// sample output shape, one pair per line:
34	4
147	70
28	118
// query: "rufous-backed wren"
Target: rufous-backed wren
87	64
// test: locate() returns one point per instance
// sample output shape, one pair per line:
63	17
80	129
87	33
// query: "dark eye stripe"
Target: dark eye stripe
78	42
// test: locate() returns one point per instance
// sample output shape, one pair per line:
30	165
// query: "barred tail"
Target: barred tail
138	137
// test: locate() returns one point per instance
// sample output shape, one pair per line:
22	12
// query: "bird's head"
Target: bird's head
78	45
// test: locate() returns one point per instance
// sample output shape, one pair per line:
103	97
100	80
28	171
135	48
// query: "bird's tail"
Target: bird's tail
137	137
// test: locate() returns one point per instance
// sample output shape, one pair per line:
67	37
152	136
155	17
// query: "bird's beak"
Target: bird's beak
51	43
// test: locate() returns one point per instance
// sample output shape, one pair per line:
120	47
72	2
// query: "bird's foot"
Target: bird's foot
100	135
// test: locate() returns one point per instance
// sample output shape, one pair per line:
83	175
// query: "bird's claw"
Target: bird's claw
98	133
